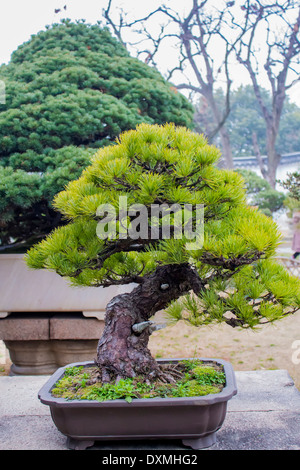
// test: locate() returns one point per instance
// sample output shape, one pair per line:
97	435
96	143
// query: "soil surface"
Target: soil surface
185	378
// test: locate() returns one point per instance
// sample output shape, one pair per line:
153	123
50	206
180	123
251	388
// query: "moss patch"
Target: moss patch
194	378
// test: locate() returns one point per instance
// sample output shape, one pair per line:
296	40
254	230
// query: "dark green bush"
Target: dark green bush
69	90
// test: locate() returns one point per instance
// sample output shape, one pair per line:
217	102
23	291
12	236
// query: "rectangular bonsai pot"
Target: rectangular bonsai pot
194	420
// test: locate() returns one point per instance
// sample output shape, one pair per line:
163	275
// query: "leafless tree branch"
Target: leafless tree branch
195	31
281	50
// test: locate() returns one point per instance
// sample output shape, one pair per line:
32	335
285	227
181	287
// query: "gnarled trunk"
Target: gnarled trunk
122	351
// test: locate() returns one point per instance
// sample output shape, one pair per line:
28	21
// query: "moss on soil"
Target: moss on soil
194	378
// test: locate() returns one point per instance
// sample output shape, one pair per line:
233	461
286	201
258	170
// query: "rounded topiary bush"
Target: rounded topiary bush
72	85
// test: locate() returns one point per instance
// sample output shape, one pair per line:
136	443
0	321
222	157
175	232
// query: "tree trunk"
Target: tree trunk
259	159
226	147
273	162
123	352
273	156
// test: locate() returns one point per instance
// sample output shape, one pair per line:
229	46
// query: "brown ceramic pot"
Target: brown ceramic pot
194	420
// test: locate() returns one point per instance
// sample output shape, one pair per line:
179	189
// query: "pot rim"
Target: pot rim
229	390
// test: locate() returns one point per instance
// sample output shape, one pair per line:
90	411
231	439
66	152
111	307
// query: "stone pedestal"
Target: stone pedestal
40	343
44	322
27	291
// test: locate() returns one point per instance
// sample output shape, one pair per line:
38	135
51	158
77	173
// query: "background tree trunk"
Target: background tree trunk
273	157
259	159
226	148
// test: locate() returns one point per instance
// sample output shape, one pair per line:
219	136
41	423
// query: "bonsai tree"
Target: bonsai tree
68	91
227	275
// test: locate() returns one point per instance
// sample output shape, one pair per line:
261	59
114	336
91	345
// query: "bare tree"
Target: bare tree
203	52
264	35
270	44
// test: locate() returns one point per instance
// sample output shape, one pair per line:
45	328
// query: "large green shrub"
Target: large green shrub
70	89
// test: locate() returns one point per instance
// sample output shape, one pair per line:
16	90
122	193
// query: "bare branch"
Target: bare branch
195	32
116	30
282	47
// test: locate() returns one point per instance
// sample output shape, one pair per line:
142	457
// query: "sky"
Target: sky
19	19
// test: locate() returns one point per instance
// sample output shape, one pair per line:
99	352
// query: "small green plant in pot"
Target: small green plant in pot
154	210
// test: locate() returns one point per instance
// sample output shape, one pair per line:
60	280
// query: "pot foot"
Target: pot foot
201	442
76	444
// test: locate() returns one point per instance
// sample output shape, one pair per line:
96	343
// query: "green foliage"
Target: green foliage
25	196
292	205
292	183
243	286
269	201
261	194
73	371
207	375
197	379
261	293
69	90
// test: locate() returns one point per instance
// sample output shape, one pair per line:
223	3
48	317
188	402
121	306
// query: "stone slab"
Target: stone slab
28	432
265	390
260	430
74	327
44	357
264	415
24	328
19	396
37	327
41	290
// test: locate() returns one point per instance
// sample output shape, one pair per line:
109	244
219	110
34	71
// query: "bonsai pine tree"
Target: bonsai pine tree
227	276
68	91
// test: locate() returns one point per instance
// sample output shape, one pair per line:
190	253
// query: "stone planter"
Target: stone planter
40	343
194	420
28	290
44	322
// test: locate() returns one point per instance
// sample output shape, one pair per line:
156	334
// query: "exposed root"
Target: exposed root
164	373
170	373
